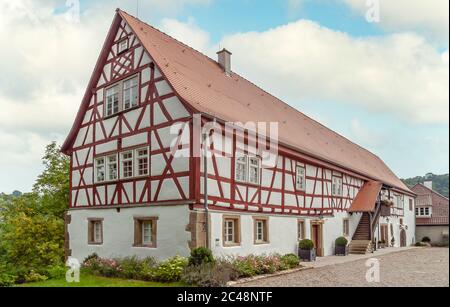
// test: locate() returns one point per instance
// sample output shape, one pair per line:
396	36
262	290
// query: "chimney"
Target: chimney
224	59
428	184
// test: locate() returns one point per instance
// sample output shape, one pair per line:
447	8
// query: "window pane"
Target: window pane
112	100
147	232
142	162
130	93
112	168
127	164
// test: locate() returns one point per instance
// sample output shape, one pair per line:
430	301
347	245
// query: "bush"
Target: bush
290	261
103	267
426	240
170	270
33	276
216	274
201	256
306	244
7	278
341	241
56	271
134	268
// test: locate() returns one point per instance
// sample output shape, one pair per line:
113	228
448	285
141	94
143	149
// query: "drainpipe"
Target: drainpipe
205	187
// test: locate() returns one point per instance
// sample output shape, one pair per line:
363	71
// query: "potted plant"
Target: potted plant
341	248
306	251
382	244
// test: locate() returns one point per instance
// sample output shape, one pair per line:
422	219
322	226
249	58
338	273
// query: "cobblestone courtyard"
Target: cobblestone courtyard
411	268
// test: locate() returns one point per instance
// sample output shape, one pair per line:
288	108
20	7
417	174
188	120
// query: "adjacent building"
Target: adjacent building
140	185
431	214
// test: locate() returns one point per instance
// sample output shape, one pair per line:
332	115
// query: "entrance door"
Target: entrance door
316	237
402	238
385	234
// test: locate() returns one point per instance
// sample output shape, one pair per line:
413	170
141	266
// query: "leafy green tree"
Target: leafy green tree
54	183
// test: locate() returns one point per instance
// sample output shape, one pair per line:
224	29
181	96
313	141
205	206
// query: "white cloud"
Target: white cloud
399	74
428	16
46	61
187	32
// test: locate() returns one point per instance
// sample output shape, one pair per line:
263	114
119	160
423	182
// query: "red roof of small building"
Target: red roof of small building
201	83
367	197
429	198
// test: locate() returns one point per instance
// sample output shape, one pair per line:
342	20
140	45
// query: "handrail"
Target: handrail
375	218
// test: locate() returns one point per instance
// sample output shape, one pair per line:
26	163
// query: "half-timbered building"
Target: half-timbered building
140	184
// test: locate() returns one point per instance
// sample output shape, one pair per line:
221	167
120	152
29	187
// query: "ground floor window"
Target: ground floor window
346	228
231	231
95	231
261	230
301	230
145	232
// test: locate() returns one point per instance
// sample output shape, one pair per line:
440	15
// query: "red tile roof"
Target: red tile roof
366	198
200	82
439	203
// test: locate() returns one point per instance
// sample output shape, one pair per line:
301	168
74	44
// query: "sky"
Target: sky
375	71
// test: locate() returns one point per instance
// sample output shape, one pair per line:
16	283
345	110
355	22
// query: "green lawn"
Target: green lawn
95	281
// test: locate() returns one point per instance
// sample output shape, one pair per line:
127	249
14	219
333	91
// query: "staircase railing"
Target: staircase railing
374	217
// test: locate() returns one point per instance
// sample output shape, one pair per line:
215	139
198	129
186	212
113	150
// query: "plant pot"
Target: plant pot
307	255
341	250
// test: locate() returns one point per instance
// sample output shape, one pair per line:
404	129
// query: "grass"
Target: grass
96	281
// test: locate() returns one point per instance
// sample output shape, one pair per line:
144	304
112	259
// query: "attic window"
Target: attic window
122	46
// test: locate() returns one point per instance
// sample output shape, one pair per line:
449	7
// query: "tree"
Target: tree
53	184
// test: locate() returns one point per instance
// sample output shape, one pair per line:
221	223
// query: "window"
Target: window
127	165
112	167
142	162
424	211
241	168
300	179
261	227
145	231
336	187
254	170
122	46
248	169
346	228
95	231
130	93
400	202
411	205
100	169
112	100
231	231
301	230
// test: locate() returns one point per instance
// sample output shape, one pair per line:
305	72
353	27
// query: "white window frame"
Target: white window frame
130	89
244	177
300	172
108	163
230	231
253	166
112	103
122	48
124	160
422	211
260	231
97	229
337	186
148	235
137	159
97	166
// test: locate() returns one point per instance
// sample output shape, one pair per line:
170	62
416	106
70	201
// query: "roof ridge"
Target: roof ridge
253	84
431	190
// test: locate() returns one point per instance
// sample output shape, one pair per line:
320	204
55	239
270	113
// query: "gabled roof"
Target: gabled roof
367	197
430	198
201	83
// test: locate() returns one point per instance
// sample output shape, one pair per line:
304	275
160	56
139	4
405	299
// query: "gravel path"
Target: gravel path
427	267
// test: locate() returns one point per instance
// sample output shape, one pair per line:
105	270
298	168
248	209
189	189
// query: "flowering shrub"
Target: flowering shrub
252	265
103	267
216	274
170	270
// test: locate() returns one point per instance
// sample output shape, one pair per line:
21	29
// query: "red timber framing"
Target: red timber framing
144	126
159	108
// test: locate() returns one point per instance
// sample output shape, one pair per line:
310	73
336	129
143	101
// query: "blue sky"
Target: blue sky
382	85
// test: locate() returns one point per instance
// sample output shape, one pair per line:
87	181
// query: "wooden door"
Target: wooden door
316	237
384	234
402	238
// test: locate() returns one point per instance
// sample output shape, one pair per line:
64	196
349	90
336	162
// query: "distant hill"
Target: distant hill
440	182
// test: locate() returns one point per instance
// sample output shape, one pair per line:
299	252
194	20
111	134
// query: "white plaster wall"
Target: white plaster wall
283	234
333	228
118	232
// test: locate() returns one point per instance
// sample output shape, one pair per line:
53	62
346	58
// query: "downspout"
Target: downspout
205	188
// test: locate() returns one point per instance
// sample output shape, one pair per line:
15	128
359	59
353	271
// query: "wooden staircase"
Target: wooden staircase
361	242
